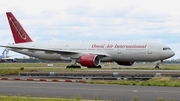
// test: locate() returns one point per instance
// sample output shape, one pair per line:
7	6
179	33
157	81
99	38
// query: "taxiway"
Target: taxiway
87	91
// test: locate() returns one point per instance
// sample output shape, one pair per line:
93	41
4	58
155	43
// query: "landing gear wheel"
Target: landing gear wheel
156	66
73	66
95	66
99	66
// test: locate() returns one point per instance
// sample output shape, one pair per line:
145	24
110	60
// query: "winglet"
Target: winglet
19	34
5	53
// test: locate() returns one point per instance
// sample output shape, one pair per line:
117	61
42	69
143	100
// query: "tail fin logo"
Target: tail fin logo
18	29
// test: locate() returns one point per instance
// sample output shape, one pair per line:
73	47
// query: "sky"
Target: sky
129	20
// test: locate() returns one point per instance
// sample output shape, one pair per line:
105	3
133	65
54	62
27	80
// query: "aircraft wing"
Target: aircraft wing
56	50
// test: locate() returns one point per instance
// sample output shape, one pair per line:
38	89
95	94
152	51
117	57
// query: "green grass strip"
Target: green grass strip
28	98
155	81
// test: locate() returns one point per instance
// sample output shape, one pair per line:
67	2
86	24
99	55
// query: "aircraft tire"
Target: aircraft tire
95	66
73	66
156	66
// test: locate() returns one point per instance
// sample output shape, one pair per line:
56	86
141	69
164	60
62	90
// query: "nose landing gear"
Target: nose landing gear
158	63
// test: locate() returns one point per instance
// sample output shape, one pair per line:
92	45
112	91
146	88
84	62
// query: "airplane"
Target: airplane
87	53
4	57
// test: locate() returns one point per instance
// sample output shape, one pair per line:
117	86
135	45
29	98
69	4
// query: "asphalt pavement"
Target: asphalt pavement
88	91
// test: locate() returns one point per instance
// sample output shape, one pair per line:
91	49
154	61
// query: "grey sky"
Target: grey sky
47	20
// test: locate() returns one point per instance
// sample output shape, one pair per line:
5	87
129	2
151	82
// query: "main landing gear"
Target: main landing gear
73	64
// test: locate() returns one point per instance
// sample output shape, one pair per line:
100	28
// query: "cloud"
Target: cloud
150	20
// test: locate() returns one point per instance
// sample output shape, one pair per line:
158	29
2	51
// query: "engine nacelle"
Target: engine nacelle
1	60
89	60
125	63
14	60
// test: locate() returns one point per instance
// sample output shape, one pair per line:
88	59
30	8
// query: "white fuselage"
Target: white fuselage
114	50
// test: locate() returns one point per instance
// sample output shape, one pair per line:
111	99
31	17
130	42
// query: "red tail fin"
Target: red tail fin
19	34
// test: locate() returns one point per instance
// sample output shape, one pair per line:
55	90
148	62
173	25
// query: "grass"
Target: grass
15	68
4	72
105	66
155	81
19	98
30	65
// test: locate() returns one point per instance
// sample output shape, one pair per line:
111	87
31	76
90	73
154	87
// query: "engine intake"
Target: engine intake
89	60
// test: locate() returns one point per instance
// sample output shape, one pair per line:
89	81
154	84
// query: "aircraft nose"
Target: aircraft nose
171	54
168	54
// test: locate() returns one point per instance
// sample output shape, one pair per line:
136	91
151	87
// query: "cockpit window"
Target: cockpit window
166	48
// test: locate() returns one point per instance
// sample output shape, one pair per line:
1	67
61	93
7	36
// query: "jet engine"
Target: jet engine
14	60
89	60
125	63
1	60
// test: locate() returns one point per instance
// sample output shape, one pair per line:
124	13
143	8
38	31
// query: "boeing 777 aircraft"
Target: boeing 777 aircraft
87	53
4	57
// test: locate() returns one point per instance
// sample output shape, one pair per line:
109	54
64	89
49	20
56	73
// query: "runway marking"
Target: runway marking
135	91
